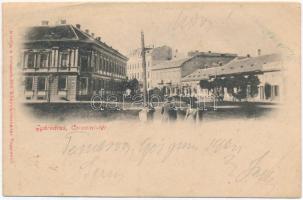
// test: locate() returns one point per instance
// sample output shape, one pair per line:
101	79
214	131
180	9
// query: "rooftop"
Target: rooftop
171	63
238	65
178	62
64	33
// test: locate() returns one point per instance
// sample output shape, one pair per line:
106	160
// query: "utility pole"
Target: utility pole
144	69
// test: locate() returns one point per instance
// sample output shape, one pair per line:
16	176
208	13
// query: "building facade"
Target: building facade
153	56
63	63
169	74
268	69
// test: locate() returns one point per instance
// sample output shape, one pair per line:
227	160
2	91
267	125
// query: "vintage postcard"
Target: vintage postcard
151	99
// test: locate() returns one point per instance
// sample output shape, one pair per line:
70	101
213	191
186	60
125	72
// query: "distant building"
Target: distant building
65	63
154	55
169	74
268	68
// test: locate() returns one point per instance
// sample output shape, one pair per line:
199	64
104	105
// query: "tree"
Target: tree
133	85
253	81
240	82
155	91
123	85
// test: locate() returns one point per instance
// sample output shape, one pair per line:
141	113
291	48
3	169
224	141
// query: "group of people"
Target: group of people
170	113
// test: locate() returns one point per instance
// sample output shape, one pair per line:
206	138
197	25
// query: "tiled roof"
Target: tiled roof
63	33
171	63
178	62
236	66
39	33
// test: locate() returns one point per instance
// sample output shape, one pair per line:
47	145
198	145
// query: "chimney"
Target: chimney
93	34
248	55
44	23
62	21
78	26
87	31
259	52
209	51
98	38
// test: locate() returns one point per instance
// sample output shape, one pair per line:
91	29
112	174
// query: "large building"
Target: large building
268	69
153	56
169	74
63	63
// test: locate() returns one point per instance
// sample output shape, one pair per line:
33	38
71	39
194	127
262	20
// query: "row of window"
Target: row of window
42	83
133	66
101	64
271	91
138	75
43	60
106	85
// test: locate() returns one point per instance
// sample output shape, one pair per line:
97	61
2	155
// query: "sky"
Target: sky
225	28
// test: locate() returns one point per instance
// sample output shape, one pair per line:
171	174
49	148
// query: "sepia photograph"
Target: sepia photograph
145	99
69	72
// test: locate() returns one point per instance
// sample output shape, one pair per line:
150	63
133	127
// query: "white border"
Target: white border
132	1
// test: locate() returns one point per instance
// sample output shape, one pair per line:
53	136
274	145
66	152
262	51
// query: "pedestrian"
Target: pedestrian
191	113
169	111
165	111
143	114
172	112
151	111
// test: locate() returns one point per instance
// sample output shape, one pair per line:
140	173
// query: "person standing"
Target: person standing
165	111
191	113
151	111
143	114
169	111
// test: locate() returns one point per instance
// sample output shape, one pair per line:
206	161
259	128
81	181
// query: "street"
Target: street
225	110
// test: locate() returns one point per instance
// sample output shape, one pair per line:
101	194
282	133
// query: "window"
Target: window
31	60
64	60
101	67
62	83
100	84
41	83
276	90
83	85
29	83
93	63
261	92
43	60
105	66
84	63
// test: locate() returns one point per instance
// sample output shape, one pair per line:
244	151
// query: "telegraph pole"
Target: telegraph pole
144	69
